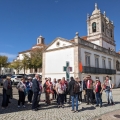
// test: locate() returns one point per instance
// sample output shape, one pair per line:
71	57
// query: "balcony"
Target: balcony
93	70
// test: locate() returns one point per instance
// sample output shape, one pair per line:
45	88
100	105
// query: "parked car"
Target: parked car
16	79
24	75
33	75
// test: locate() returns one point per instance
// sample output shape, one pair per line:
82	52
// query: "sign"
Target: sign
67	69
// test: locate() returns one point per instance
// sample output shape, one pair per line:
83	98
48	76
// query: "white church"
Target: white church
96	52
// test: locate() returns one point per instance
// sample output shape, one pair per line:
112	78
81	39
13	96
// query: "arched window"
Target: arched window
94	27
111	32
103	27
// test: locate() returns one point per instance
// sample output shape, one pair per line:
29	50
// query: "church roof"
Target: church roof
84	37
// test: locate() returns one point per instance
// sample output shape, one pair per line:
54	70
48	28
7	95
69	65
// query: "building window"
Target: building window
96	62
87	60
109	63
103	63
94	27
31	70
103	27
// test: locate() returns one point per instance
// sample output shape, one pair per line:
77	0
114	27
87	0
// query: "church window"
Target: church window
103	27
58	43
94	27
111	32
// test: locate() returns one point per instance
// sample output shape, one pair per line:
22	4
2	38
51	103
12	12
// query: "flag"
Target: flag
80	67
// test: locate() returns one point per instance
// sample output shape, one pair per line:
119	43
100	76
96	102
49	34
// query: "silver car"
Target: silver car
16	79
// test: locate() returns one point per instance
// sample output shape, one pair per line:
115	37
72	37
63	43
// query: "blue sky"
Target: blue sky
22	21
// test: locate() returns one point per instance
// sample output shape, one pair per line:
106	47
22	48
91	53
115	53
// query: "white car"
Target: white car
16	79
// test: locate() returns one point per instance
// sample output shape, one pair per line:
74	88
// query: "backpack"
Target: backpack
76	87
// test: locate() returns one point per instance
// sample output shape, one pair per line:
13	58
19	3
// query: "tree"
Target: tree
3	61
17	65
25	62
36	58
33	60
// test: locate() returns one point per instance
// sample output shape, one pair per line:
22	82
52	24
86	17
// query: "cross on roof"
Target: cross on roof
67	69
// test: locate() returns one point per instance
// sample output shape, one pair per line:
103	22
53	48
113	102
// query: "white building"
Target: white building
4	71
40	44
96	52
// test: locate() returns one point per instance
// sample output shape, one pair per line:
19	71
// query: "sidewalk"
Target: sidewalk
115	115
51	112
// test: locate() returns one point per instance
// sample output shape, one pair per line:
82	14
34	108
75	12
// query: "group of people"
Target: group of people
58	90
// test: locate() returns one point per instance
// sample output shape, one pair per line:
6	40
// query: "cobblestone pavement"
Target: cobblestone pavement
86	112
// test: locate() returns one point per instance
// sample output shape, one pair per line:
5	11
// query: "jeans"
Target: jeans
30	94
98	99
109	96
65	97
73	99
21	97
35	102
80	96
90	95
61	99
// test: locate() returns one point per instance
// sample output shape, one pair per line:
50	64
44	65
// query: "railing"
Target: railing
94	70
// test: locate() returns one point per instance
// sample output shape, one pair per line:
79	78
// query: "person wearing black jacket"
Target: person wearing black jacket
73	94
35	89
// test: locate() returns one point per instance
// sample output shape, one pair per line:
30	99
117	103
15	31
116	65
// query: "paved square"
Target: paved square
87	112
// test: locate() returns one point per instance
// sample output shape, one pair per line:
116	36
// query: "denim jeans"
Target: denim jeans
109	96
61	99
73	99
98	99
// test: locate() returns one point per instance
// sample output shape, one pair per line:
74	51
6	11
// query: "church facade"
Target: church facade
94	54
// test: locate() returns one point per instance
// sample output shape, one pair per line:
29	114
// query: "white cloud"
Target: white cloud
10	56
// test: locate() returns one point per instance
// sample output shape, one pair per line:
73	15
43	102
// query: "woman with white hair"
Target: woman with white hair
7	92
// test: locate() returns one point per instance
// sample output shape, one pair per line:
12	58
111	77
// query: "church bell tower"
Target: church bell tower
100	30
